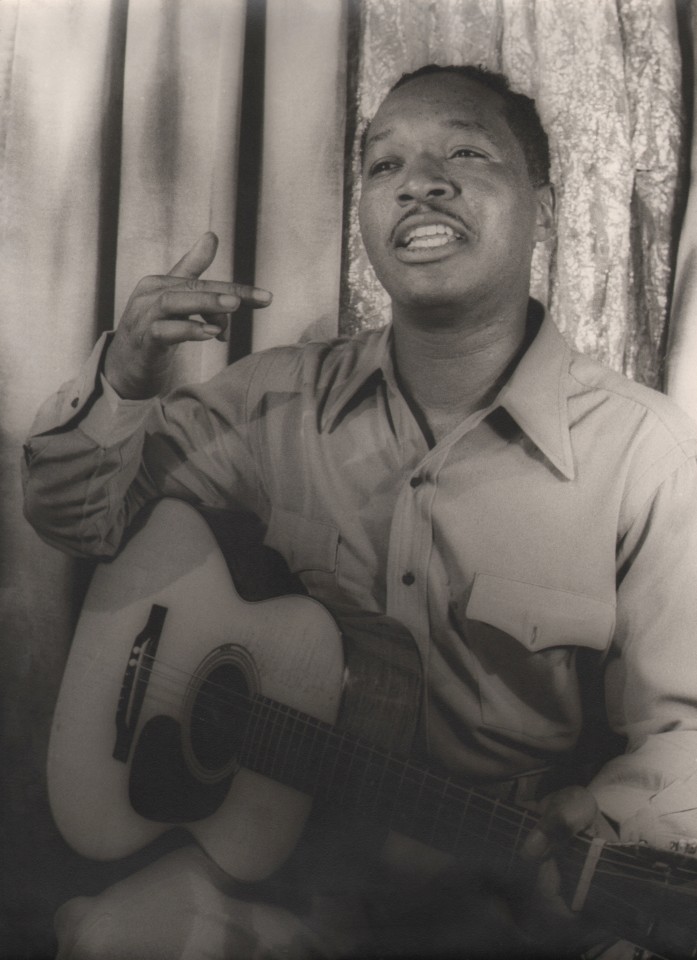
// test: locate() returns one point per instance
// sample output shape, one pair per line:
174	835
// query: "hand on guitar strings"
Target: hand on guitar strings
545	914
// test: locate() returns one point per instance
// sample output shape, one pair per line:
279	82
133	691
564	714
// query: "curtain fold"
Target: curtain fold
300	215
182	96
681	352
58	117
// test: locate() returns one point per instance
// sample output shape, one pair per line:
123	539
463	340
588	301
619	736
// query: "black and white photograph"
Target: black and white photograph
348	439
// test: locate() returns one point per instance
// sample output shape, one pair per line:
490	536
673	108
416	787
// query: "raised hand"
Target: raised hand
164	311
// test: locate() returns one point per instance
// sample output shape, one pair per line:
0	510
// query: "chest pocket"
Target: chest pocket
307	545
524	638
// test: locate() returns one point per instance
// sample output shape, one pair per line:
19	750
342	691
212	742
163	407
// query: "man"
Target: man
528	515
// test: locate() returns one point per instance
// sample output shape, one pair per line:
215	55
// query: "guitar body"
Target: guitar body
143	738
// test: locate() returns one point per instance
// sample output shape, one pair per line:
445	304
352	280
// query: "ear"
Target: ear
544	225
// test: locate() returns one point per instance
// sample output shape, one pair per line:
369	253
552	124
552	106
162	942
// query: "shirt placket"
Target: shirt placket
411	541
409	551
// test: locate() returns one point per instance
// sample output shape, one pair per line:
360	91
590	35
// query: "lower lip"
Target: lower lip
428	254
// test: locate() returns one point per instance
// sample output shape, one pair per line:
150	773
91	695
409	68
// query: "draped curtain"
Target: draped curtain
129	128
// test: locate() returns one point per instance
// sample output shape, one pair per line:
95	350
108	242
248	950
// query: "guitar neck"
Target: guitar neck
316	758
624	893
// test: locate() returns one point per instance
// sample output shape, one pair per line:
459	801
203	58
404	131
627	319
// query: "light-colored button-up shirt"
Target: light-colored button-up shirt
557	524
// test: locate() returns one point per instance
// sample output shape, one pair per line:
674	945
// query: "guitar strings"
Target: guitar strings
503	817
344	746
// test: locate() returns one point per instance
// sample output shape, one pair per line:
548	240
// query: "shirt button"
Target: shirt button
416	481
74	402
408	578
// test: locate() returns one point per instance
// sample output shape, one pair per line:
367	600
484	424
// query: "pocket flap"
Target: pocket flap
304	543
541	617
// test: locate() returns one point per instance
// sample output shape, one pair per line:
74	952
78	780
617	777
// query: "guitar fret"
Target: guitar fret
333	775
278	762
302	770
409	799
344	785
461	821
302	766
247	747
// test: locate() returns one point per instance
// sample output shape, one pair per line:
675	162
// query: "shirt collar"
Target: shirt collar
372	363
535	395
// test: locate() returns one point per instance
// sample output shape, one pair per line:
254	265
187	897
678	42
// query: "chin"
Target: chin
434	298
430	285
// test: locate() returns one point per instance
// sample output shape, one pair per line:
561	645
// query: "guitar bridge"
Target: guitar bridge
135	681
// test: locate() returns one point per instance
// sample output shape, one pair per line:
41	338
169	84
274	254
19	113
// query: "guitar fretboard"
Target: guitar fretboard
316	758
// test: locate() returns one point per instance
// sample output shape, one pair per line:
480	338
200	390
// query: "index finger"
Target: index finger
256	296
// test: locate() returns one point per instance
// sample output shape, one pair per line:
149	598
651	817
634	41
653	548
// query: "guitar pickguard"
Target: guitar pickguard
161	786
182	771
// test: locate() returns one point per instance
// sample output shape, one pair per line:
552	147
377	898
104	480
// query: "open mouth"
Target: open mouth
428	236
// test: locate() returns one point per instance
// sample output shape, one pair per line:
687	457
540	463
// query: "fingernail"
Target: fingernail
263	295
210	329
228	302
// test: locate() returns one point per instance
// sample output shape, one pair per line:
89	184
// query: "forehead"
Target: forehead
441	98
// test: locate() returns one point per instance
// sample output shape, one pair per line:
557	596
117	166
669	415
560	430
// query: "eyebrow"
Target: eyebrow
453	123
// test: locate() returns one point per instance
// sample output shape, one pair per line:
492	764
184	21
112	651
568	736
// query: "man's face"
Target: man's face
448	213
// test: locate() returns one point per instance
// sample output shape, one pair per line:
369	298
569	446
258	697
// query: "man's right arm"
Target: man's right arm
83	475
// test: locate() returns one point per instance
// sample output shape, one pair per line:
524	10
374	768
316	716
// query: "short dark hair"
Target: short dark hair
520	111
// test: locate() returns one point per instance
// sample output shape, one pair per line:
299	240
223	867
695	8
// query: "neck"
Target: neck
450	368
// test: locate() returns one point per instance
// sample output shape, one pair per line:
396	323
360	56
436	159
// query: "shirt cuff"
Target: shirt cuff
668	821
111	419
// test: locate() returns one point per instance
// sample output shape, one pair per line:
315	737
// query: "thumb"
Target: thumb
198	259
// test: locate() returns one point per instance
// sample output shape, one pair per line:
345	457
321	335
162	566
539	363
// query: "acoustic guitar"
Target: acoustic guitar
187	700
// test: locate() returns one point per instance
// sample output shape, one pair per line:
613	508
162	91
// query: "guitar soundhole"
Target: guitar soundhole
217	712
216	725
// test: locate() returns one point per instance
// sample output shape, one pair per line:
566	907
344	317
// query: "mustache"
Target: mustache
430	208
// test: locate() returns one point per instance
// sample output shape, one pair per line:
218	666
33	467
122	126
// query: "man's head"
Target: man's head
455	190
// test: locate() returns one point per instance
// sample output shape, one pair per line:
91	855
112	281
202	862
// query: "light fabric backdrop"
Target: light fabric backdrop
121	137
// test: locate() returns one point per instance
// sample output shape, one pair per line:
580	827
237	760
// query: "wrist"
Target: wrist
129	379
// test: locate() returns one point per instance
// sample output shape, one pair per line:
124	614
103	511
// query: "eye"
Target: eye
468	153
382	166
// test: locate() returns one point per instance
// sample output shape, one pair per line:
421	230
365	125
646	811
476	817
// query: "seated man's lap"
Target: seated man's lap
183	907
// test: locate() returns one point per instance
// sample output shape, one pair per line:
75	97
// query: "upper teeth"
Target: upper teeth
430	235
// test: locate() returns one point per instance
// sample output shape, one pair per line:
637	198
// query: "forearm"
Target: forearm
80	474
651	672
90	467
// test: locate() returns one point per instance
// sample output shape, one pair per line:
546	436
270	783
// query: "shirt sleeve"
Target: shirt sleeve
651	671
93	460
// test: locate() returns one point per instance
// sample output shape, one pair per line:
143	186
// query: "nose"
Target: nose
425	179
